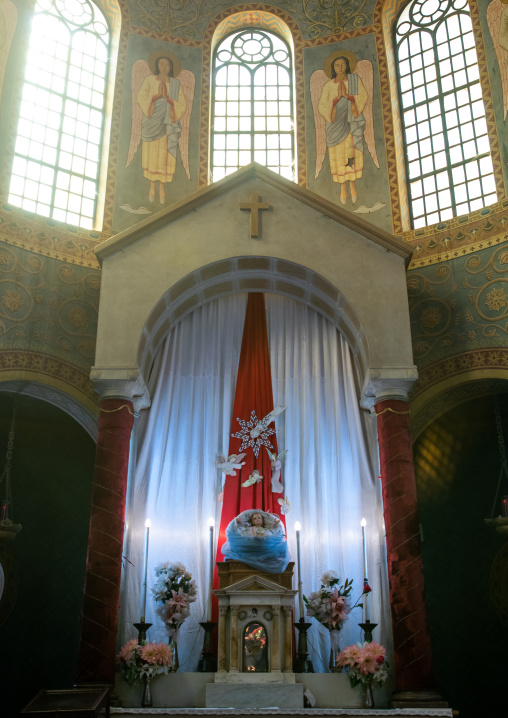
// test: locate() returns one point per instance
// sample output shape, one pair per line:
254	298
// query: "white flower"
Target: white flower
179	568
187	575
328	577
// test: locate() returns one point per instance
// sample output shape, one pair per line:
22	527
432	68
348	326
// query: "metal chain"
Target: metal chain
502	451
8	457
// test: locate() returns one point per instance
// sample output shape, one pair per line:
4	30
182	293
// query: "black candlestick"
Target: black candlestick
367	629
142	628
207	662
302	663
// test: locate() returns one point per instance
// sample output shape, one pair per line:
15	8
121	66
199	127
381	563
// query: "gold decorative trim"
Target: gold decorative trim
455	252
487	363
50	371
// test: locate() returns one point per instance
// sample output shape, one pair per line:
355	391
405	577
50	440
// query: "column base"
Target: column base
418	699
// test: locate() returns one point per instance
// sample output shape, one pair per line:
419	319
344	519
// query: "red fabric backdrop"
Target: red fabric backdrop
253	393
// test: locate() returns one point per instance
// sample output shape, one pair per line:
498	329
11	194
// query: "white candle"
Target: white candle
366	595
148	523
210	582
300	593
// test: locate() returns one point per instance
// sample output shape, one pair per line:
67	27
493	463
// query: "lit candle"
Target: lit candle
210	582
365	579
300	593
148	523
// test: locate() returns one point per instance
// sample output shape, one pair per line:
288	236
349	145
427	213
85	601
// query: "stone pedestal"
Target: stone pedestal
255	640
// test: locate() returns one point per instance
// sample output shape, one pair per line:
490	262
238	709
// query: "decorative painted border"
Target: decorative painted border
460	364
24	365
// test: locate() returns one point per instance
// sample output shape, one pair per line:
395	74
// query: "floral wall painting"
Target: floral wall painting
8	21
497	18
158	132
341	94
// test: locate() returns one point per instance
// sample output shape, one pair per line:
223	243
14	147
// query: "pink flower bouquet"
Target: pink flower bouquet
145	659
366	663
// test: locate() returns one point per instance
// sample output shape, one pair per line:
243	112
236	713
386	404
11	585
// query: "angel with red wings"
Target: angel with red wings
162	97
341	95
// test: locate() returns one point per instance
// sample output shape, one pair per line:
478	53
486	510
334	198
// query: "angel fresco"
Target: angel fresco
497	18
162	97
341	95
8	22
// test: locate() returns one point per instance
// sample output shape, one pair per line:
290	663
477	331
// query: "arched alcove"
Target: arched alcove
51	484
457	467
252	274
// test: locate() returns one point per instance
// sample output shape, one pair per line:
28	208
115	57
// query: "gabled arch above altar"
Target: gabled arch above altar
207	246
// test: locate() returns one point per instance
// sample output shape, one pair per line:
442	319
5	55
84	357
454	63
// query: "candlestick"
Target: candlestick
365	579
148	523
210	581
300	593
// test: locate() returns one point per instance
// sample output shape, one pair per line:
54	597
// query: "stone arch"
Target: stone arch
251	274
430	404
55	396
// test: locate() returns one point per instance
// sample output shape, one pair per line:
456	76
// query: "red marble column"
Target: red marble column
96	662
413	661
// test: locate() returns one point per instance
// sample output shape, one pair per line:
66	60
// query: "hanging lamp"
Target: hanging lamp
500	523
8	529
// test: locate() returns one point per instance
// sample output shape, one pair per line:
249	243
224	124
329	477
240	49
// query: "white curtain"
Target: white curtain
329	471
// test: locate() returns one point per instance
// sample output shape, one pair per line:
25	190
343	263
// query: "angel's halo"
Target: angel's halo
177	66
327	67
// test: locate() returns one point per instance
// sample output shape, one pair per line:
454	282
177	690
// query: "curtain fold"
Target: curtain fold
329	472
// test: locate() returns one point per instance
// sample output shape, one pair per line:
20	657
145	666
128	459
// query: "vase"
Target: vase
176	664
368	698
334	651
146	701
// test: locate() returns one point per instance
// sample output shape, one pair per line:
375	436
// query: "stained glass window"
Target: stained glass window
449	166
58	145
252	111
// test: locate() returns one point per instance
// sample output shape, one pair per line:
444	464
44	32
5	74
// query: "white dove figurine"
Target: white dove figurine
262	425
253	478
230	463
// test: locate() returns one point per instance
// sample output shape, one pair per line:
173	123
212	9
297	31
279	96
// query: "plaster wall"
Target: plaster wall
371	278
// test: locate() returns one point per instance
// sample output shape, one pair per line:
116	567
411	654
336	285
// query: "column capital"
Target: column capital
394	382
121	383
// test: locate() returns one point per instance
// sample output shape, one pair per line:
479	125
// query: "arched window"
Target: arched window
449	166
252	110
57	153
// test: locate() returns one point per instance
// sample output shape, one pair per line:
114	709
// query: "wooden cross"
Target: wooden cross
254	207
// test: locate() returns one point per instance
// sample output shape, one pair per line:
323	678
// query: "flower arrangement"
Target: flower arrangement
174	590
145	660
330	604
366	663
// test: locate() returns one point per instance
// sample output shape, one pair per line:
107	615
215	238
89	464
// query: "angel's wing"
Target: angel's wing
279	457
318	80
239	457
497	18
271	456
365	72
220	460
140	70
187	82
8	22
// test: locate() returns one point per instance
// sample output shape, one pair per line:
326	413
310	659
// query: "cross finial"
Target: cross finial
254	206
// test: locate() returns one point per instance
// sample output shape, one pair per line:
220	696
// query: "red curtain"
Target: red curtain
253	394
